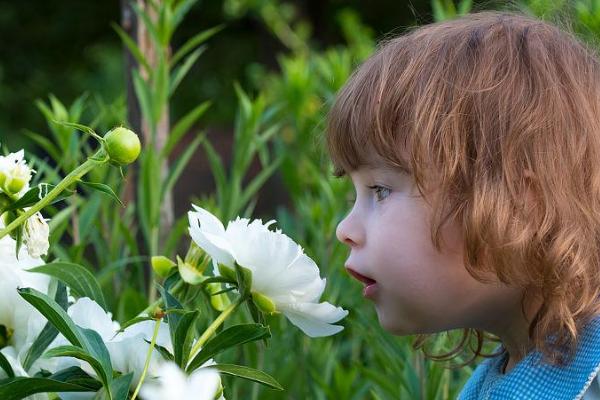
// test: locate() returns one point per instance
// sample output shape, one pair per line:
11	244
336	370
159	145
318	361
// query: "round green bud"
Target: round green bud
162	265
264	303
123	146
2	178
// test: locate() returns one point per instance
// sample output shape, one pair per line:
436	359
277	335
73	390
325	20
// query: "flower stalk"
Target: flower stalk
100	157
214	326
148	358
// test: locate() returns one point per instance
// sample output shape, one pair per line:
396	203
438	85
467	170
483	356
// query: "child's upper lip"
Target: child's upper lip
359	276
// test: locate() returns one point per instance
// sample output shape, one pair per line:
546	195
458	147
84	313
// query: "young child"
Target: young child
474	149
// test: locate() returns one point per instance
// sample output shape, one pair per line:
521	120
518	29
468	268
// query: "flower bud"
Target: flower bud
35	235
161	265
264	303
14	174
122	145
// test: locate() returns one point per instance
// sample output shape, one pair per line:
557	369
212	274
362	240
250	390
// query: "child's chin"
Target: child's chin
393	325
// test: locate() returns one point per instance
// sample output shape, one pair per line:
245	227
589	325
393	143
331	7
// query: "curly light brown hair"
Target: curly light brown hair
485	109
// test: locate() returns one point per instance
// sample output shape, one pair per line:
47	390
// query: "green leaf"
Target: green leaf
171	303
465	6
78	353
134	321
181	71
193	42
76	376
86	339
248	373
219	279
148	24
233	336
34	194
119	388
181	9
176	169
20	387
5	365
44	143
77	277
101	187
184	334
183	126
54	314
82	128
48	333
132	47
166	354
95	346
259	181
218	171
143	95
160	79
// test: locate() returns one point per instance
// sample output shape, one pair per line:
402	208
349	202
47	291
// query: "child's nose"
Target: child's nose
349	232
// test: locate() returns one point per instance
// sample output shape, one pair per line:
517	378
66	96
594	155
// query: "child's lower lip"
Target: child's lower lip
370	290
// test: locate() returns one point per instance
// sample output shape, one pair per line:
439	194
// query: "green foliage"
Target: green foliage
446	9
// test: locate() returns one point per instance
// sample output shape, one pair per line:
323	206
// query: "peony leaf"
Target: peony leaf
184	335
233	336
47	334
72	379
77	277
34	194
101	187
5	365
248	373
119	389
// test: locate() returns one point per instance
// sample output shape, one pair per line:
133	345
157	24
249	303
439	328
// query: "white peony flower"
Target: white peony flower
173	384
281	273
128	349
14	174
36	235
22	322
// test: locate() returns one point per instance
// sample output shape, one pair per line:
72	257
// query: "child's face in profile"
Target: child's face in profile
417	289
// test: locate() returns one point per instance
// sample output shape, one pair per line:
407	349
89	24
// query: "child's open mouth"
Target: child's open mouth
370	284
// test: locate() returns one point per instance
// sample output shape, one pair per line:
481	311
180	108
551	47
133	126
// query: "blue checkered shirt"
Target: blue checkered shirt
530	379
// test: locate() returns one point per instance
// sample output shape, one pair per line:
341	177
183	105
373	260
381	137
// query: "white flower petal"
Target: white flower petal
172	383
315	319
208	233
88	314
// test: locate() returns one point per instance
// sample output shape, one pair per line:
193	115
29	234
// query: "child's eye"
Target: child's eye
380	192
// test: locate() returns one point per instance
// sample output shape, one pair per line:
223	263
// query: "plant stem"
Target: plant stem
74	176
215	324
159	302
148	358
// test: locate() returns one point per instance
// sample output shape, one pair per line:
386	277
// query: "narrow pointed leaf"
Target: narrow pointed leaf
48	333
248	373
34	195
5	365
233	336
77	277
20	387
184	334
101	187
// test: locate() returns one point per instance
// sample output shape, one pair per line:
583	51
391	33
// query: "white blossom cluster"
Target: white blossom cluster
15	176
